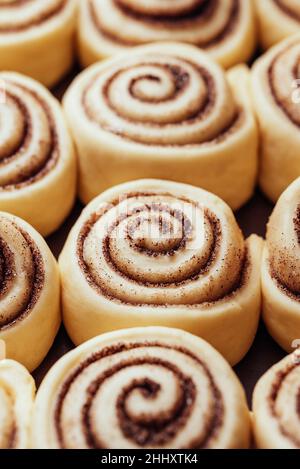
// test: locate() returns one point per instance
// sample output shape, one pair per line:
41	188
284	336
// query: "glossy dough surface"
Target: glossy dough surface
29	292
280	269
17	391
155	252
275	91
37	37
164	111
224	28
277	19
141	388
37	162
276	406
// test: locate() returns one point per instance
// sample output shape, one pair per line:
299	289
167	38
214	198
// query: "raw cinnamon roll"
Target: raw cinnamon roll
276	406
164	111
37	162
36	37
224	28
141	388
281	269
154	252
29	292
17	390
277	19
275	89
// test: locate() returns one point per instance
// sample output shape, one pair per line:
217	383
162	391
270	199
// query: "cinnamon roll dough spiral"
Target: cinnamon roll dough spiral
37	37
17	390
164	111
276	406
224	28
29	292
277	19
160	253
141	388
276	96
281	269
37	161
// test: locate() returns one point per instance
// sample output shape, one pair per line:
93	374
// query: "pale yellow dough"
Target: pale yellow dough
120	270
165	111
276	406
29	293
146	371
37	38
280	270
105	29
277	19
276	98
17	391
37	160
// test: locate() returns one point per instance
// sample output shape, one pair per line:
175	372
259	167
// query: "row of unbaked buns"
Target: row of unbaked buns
152	387
38	38
151	253
165	111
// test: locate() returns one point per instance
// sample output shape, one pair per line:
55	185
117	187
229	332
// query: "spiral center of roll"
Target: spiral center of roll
157	233
152	88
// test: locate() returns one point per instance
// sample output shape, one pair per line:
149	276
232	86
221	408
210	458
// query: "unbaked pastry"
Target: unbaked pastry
17	390
225	29
165	111
141	388
37	37
29	292
276	406
276	96
277	19
281	269
160	253
37	161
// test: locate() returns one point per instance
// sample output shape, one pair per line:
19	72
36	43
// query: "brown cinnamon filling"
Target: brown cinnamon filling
285	261
293	13
7	278
199	15
242	273
7	270
144	431
27	175
295	119
45	16
281	376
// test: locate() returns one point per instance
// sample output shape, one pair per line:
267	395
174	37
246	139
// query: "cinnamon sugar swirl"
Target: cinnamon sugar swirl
277	19
224	28
141	388
164	111
37	162
154	252
275	90
36	37
276	406
281	268
17	390
29	292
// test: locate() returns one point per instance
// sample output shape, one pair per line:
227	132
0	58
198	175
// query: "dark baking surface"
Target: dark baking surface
252	218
